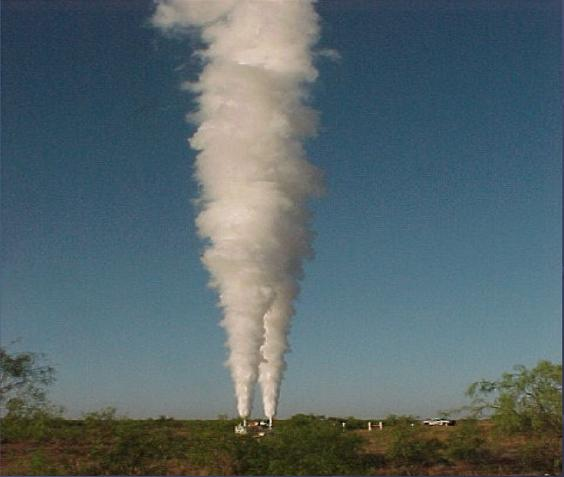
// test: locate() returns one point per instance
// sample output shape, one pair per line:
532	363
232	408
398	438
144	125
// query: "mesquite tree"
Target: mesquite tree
525	400
23	379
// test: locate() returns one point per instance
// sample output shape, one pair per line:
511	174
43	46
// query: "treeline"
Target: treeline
521	435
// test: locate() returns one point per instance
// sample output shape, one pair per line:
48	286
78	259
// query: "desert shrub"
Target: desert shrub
302	420
370	462
353	423
36	426
67	431
466	443
134	451
302	447
38	463
410	451
541	455
42	464
216	450
98	418
395	420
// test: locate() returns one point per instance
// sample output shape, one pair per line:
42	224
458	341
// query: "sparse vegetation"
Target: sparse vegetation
467	443
40	442
411	450
295	447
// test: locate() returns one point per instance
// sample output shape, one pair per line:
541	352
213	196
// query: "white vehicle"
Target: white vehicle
439	422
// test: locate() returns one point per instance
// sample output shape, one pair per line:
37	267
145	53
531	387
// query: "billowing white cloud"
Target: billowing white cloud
255	179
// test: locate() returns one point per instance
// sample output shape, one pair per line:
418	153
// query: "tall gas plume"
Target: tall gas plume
255	180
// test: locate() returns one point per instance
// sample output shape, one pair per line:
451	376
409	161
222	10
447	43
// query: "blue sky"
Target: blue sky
438	247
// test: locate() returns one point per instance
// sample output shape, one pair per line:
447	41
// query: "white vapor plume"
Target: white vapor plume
254	176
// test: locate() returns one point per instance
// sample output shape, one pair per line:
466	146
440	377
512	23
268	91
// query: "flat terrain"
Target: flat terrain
178	447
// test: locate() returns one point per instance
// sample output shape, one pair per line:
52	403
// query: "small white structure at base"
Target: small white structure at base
254	428
240	429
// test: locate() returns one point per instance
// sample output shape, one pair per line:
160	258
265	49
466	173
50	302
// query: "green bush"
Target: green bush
303	446
215	449
103	415
36	427
466	443
541	455
302	420
394	420
39	465
136	451
410	451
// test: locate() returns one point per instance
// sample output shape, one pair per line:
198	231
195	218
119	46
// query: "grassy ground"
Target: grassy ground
166	447
378	441
506	455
